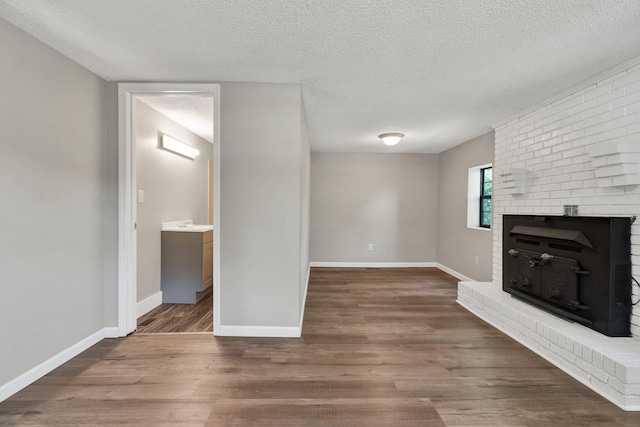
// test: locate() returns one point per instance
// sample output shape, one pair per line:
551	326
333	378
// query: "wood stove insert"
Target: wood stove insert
575	267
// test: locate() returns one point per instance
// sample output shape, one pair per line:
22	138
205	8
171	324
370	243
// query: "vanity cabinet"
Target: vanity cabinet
187	265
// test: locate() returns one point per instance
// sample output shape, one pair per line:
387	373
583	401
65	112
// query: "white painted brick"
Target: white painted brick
595	111
572	101
610	115
610	80
617	170
573	151
626	100
572	136
609	366
610	96
628	79
613	134
634	105
602	127
573	118
561	131
635	128
597	360
562	353
572	185
633	88
597	92
585	106
626	120
551	110
583	176
592	370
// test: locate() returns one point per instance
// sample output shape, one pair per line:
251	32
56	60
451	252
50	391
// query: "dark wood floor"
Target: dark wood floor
179	317
379	347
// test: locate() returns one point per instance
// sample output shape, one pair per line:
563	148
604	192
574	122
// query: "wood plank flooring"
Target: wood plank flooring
179	317
383	347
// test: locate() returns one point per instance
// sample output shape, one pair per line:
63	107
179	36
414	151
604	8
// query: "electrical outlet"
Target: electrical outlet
140	196
370	246
477	260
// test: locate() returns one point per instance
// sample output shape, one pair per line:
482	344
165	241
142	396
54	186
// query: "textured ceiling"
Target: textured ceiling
440	71
194	112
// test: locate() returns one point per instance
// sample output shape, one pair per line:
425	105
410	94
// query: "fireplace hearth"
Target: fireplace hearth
576	267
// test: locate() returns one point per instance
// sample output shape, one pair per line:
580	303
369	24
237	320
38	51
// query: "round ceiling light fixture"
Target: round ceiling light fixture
391	138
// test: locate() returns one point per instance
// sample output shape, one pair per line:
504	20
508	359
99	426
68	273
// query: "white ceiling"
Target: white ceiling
440	71
194	112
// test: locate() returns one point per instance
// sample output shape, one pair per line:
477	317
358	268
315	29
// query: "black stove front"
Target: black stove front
575	267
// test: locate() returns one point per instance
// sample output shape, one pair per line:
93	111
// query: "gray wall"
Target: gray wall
260	216
175	188
458	245
53	192
389	200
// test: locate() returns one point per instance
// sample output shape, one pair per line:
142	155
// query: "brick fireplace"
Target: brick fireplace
580	149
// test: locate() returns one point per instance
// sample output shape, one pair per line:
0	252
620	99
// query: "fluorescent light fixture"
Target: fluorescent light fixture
391	138
178	147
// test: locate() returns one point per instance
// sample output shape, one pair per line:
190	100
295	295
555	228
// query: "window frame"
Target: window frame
484	196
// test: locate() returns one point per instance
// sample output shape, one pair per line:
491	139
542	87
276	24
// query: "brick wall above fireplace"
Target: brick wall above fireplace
553	145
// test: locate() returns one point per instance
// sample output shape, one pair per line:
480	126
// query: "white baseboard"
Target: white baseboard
12	387
437	265
260	331
454	273
373	264
148	304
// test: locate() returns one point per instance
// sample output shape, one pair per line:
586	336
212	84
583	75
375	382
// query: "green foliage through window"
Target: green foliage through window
486	190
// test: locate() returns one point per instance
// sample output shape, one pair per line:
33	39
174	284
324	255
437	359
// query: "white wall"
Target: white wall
553	143
261	207
53	192
389	200
458	245
175	188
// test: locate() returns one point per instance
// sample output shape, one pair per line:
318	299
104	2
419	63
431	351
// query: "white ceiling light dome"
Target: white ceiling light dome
391	138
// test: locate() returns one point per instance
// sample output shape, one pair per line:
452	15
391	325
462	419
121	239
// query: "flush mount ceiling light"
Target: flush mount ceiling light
391	138
178	147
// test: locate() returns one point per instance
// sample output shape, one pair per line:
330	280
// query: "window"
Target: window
480	190
486	189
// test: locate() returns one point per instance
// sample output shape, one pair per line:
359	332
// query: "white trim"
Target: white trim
454	273
372	264
127	305
437	265
304	299
148	304
260	331
29	377
126	214
583	85
473	196
479	228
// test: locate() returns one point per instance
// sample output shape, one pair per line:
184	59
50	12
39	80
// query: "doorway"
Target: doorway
129	197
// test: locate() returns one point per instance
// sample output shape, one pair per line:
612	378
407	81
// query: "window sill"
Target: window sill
479	228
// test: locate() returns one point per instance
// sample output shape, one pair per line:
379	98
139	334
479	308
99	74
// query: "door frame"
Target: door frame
127	245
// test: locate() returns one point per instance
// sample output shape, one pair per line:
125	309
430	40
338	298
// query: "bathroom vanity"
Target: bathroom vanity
186	261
